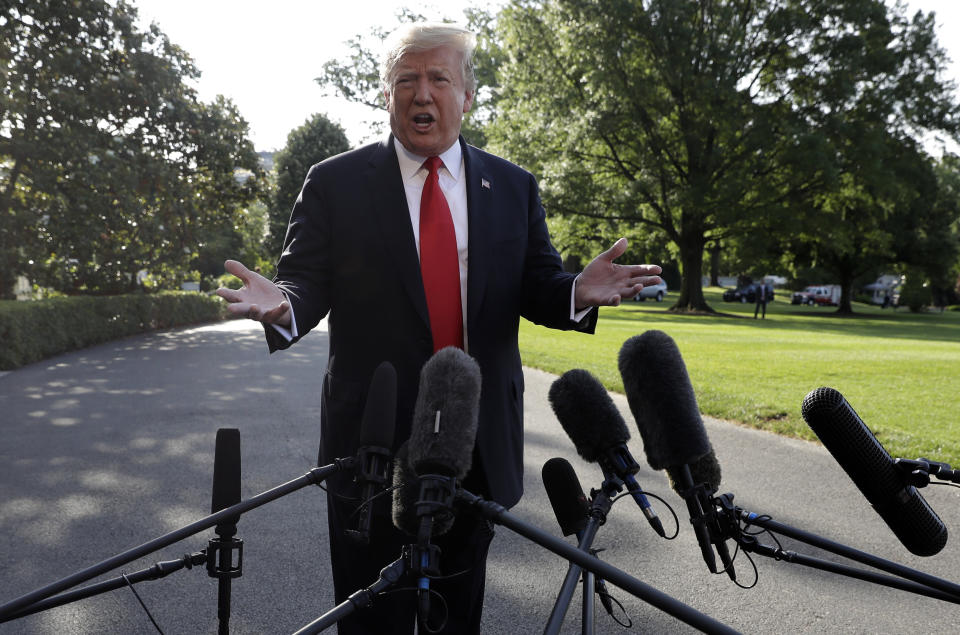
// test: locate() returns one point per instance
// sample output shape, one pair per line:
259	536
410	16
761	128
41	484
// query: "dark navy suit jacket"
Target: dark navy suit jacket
350	252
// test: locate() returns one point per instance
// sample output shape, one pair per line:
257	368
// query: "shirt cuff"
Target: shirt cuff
288	333
577	316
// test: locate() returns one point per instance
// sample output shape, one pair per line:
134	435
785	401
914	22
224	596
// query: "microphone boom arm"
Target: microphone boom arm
902	577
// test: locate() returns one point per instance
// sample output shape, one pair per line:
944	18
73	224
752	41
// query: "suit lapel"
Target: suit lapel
393	220
479	201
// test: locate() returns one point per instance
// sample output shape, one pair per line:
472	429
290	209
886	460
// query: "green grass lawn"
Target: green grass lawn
899	370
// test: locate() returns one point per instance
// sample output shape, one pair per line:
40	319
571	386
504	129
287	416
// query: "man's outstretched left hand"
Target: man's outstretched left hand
605	283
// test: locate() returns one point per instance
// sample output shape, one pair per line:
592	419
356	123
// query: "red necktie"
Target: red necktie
439	263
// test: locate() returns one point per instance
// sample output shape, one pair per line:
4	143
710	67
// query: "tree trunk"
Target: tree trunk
845	306
715	265
691	286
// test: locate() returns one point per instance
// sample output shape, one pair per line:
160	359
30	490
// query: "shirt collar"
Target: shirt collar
411	163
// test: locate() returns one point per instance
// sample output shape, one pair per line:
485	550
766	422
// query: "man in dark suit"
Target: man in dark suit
763	294
354	250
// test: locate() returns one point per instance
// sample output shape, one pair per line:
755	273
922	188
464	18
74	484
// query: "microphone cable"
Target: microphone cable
649	494
144	606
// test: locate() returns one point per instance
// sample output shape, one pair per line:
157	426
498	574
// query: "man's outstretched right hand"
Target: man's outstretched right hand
259	299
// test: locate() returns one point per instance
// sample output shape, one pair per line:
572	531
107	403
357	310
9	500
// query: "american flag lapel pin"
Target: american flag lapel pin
484	183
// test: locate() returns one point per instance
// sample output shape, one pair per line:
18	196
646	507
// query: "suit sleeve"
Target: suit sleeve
546	287
304	268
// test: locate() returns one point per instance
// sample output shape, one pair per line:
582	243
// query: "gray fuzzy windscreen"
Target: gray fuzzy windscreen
587	413
662	400
449	384
405	498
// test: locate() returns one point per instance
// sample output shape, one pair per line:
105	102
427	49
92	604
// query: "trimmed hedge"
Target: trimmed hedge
34	330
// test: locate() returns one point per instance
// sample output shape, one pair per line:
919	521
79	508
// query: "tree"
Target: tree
705	120
108	162
314	141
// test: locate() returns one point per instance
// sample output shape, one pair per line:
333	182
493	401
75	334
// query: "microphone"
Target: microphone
220	550
376	441
874	472
226	478
438	453
591	420
665	408
446	414
570	504
572	509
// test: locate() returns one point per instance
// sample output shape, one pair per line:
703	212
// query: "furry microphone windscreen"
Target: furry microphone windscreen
662	400
587	414
405	497
445	417
705	470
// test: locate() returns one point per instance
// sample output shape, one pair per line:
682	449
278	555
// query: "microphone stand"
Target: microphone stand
13	608
599	508
422	559
903	578
158	570
222	565
498	514
363	598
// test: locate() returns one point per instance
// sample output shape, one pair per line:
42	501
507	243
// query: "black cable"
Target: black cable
676	520
943	483
137	595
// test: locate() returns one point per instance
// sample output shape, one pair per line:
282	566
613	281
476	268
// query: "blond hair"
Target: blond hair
424	36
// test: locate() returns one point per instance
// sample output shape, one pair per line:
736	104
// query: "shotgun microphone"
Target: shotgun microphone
226	478
438	453
874	472
221	563
591	420
376	440
665	407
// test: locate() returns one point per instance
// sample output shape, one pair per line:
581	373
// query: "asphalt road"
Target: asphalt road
107	448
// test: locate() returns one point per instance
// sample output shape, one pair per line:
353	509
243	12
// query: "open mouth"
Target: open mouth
423	120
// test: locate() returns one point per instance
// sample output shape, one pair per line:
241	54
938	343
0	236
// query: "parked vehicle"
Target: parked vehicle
655	291
747	293
822	295
886	290
830	296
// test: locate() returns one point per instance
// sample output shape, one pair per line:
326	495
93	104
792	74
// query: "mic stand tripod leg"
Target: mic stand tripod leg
389	576
570	583
587	608
498	514
599	509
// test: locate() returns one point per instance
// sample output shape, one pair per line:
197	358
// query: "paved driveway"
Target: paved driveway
104	449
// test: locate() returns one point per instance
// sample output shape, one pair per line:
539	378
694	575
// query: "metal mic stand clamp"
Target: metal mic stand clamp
221	562
919	471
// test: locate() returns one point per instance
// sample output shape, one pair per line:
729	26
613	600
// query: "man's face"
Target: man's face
427	99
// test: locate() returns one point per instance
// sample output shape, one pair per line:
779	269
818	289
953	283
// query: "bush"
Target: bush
915	294
34	330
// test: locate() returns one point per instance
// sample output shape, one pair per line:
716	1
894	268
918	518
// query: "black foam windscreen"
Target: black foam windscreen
662	401
406	492
226	472
570	504
587	414
380	411
873	471
445	417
